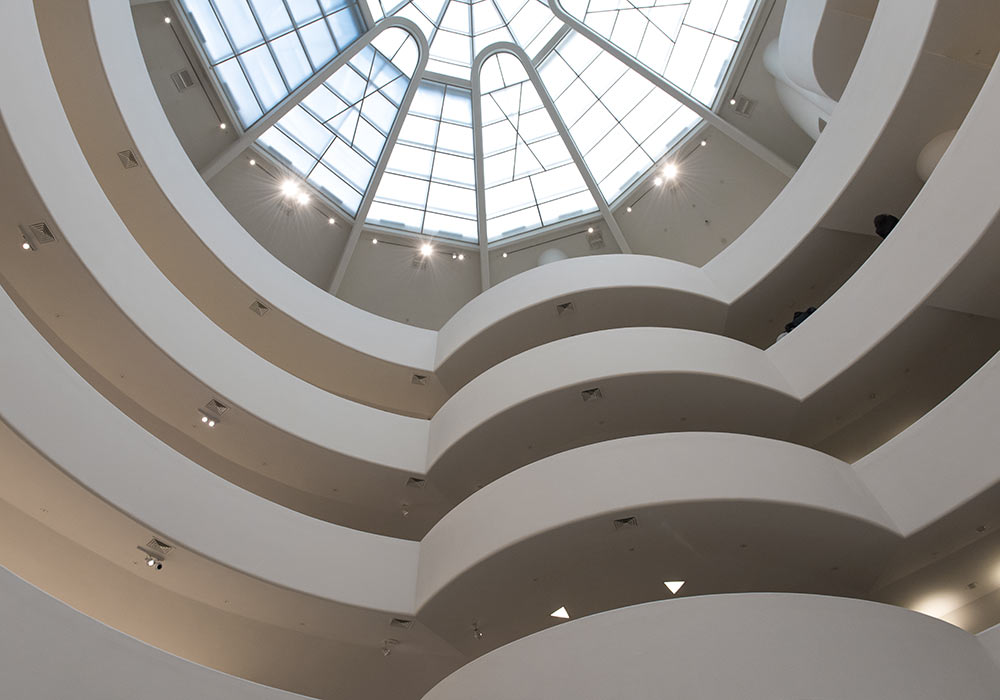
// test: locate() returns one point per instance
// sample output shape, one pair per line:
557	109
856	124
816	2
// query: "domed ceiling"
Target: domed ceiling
416	116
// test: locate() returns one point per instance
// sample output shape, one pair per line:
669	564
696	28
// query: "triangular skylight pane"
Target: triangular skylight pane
528	184
672	39
349	159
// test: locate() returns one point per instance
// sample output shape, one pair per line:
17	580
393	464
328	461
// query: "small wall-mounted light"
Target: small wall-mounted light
590	229
374	241
670	171
704	142
628	210
222	125
504	255
253	162
166	20
331	221
426	249
461	256
657	181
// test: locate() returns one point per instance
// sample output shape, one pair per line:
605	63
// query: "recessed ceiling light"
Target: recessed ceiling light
560	613
26	245
674	586
204	419
704	142
669	171
302	198
657	181
166	20
331	221
426	249
289	188
590	229
253	162
454	256
505	255
461	256
211	423
732	101
222	125
628	210
374	241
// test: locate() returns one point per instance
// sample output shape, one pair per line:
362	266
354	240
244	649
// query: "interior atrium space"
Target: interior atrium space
500	349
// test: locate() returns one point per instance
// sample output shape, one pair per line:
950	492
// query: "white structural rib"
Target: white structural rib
557	121
740	137
366	202
477	155
247	139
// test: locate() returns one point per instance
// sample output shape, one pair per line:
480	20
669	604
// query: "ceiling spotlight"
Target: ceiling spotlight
669	171
628	210
674	586
222	125
289	188
211	423
374	241
461	256
150	561
253	162
454	256
590	229
204	419
704	142
426	249
302	198
154	563
26	245
560	613
732	101
657	181
505	255
331	221
166	20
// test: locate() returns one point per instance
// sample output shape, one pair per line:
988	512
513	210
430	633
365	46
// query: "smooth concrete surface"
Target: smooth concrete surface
629	474
48	650
97	445
753	646
954	217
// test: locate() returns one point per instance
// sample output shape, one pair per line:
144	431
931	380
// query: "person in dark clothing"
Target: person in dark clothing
884	223
797	318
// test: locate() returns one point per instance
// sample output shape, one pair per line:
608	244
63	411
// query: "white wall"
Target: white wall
748	646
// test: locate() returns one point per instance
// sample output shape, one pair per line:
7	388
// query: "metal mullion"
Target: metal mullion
298	35
434	152
209	67
238	54
551	44
479	157
267	43
730	130
369	195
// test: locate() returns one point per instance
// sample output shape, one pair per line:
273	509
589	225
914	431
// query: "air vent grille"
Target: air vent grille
42	233
591	394
418	379
625	523
416	483
128	159
595	240
744	106
182	79
159	546
401	623
565	308
259	307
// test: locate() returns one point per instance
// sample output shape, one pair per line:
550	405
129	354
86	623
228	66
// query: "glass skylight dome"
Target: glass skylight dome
474	120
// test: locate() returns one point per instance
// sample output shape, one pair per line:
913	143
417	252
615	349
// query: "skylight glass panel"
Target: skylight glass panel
621	122
261	50
529	177
429	185
335	136
689	42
